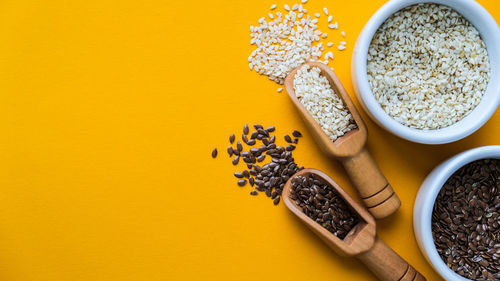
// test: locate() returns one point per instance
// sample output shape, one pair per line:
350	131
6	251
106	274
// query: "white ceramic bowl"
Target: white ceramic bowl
424	204
490	33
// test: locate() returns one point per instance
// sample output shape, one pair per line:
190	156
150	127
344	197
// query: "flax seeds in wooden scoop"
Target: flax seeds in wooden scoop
373	188
343	224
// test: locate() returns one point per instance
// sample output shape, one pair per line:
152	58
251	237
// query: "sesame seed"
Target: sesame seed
342	33
273	6
330	18
314	91
342	43
325	10
341	47
329	44
317	15
280	90
440	90
304	1
333	25
295	7
284	41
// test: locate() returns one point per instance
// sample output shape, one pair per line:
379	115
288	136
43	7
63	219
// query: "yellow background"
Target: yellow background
108	113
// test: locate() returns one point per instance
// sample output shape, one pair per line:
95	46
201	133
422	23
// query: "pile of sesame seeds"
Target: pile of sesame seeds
427	66
314	91
289	39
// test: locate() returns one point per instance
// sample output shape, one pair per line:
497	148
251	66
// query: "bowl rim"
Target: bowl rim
490	33
426	197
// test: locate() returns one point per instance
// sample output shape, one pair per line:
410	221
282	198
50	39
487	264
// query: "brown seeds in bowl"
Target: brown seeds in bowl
466	221
319	201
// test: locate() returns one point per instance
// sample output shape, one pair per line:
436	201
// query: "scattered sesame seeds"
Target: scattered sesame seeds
333	25
325	10
304	1
330	18
341	47
328	55
287	40
280	90
342	33
342	43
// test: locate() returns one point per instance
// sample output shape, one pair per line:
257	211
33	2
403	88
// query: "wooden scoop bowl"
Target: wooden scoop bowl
373	188
361	242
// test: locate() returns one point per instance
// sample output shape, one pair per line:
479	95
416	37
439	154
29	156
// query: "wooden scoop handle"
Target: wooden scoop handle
373	188
388	265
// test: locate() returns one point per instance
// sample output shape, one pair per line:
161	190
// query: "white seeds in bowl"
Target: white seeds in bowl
427	66
314	91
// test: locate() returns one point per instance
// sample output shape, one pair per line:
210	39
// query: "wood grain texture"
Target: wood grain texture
387	264
361	242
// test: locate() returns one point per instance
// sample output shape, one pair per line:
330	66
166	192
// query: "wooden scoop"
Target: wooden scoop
372	186
361	242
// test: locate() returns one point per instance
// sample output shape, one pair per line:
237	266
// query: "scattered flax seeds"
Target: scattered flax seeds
268	177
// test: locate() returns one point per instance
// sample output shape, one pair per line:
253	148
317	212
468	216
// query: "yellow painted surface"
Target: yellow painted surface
108	113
